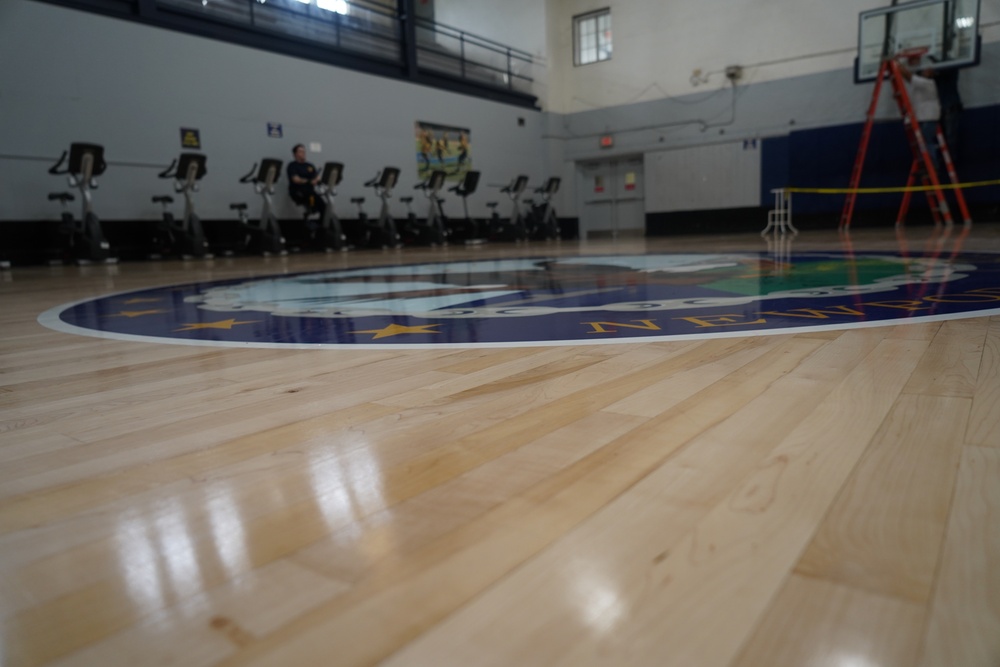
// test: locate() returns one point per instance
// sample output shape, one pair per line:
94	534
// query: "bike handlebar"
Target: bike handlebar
166	172
54	169
98	168
249	178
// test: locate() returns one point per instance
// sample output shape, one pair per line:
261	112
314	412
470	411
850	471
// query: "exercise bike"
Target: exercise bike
542	220
81	239
185	237
381	233
432	230
513	228
407	230
360	233
264	234
467	229
330	231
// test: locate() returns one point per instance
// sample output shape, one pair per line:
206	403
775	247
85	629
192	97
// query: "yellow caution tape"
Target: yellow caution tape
914	188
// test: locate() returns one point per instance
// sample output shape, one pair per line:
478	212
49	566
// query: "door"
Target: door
612	198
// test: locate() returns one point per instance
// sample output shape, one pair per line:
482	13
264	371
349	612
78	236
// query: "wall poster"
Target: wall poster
442	147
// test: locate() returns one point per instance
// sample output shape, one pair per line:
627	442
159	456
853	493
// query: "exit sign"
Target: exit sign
607	141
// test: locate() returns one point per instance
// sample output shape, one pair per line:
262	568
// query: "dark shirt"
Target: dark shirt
947	85
303	170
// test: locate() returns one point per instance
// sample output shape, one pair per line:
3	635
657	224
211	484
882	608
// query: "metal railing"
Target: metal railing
443	48
372	30
369	29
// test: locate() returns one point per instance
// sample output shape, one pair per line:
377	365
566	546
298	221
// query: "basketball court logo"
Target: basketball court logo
550	301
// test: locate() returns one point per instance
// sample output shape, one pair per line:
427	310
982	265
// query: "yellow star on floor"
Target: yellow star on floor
137	313
224	324
398	329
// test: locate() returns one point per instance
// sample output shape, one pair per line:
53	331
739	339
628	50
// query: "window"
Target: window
336	6
592	37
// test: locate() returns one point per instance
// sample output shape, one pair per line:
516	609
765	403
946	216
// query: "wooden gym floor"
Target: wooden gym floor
827	498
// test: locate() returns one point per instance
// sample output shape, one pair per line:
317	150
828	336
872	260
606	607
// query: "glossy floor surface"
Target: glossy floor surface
819	498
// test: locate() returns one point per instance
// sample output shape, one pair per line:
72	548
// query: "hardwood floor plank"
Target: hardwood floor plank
681	605
209	625
82	483
670	391
78	360
883	534
54	579
634	456
471	361
89	462
615	504
131	378
965	615
951	364
984	423
925	331
816	622
106	489
522	526
235	460
265	412
39	444
509	376
371	550
218	399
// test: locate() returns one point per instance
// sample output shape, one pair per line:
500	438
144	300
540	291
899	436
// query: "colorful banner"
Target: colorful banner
440	147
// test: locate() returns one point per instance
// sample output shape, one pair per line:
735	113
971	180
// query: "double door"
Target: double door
612	198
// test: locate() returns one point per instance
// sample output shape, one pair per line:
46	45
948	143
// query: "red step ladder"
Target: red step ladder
923	165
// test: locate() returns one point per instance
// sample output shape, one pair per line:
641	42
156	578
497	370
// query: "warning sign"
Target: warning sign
190	138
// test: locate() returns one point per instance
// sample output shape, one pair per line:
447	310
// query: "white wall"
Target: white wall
85	77
658	45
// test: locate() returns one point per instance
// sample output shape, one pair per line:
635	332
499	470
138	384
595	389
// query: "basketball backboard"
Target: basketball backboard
945	30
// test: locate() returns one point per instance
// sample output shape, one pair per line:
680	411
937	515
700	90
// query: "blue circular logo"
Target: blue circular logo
550	301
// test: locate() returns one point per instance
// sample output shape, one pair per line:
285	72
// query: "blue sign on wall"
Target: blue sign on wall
274	130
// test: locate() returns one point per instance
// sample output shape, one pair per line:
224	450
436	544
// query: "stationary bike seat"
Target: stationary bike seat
61	196
163	199
237	207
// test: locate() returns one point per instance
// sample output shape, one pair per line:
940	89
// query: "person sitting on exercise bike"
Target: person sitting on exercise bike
302	180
